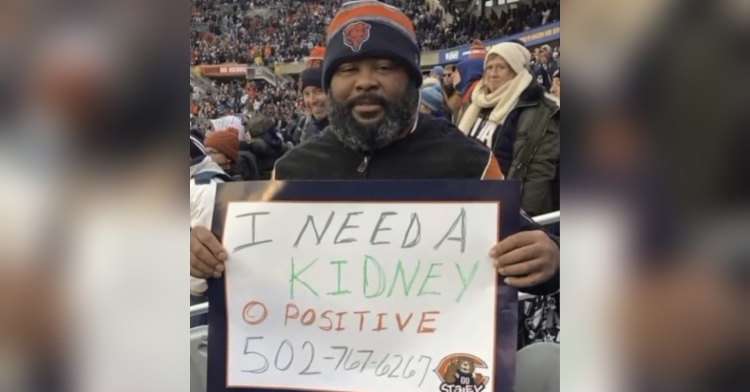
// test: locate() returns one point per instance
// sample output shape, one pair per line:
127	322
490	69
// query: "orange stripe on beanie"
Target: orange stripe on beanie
371	10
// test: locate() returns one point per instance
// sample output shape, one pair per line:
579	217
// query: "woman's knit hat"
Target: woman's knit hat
225	142
371	29
517	56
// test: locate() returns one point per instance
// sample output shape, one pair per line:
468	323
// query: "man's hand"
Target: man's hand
526	259
207	256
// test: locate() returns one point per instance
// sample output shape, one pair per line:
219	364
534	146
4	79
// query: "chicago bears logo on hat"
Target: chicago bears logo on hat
356	34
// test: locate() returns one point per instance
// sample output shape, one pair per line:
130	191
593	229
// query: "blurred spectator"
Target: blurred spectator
546	61
555	90
314	98
437	72
433	103
224	149
266	146
450	90
467	75
439	106
315	59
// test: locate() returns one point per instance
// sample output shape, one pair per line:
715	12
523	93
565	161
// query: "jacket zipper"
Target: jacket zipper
362	169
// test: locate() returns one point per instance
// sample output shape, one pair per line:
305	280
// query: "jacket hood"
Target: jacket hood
536	94
470	70
259	123
204	165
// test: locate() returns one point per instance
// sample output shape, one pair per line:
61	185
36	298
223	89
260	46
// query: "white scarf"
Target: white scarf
503	100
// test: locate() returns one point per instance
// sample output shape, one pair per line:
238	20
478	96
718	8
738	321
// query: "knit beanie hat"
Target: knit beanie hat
226	142
517	56
311	77
370	29
316	57
476	49
439	71
431	98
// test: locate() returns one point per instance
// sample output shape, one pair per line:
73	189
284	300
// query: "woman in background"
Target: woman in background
514	116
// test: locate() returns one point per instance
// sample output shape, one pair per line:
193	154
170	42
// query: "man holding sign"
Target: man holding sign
371	78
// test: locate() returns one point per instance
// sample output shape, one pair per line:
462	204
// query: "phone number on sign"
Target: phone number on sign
305	361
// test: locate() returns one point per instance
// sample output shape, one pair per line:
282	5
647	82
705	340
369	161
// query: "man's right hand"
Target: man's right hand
207	256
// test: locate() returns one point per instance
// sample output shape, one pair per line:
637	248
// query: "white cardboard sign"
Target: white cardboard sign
361	297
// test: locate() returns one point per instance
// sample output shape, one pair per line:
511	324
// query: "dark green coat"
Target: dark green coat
536	150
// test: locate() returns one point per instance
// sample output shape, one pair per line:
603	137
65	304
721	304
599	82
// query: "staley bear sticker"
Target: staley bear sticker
458	373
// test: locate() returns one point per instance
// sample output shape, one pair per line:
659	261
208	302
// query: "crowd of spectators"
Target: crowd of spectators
266	32
240	96
436	35
220	100
279	103
259	32
231	97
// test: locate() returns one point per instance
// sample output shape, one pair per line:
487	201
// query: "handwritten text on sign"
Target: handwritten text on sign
361	297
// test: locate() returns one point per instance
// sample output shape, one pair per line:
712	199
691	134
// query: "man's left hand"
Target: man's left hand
526	259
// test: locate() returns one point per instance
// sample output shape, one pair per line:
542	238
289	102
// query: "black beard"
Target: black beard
371	137
449	89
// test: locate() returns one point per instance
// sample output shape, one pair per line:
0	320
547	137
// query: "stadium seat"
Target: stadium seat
538	368
198	358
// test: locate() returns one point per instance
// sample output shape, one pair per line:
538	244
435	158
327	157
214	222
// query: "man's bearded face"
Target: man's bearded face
368	137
